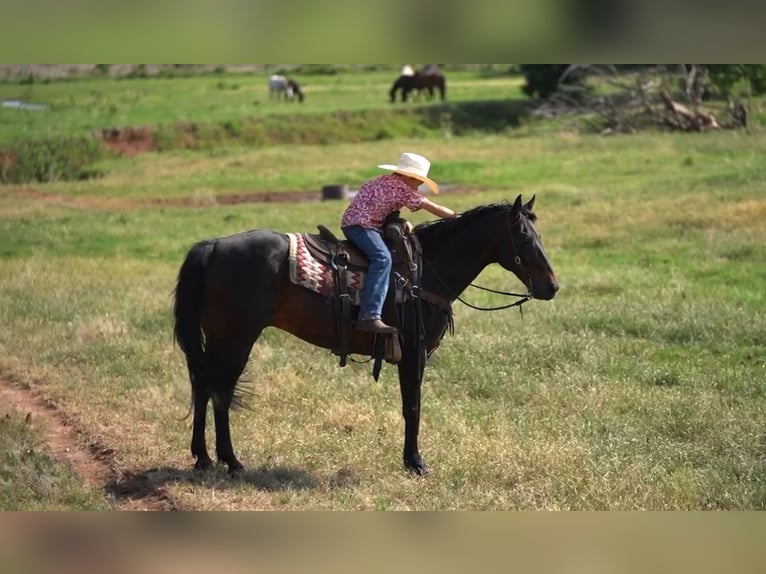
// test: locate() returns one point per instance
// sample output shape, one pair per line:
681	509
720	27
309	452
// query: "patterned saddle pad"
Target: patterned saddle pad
308	272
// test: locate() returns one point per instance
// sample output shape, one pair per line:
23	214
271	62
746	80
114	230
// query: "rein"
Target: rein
523	297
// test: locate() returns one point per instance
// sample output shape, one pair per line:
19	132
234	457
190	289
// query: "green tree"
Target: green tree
724	77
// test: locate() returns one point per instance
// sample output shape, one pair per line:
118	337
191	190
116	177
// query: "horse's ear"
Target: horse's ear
517	204
530	204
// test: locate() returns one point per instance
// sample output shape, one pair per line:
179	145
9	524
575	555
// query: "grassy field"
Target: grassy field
641	386
79	107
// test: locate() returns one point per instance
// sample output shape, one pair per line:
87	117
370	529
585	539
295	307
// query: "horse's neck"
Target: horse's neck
457	274
449	271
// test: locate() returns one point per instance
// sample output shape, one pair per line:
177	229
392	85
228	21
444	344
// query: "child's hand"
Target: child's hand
408	227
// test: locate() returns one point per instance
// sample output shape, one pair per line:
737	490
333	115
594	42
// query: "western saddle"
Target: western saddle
343	256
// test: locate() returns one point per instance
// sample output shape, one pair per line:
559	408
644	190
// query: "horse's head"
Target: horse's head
405	83
296	89
456	250
522	251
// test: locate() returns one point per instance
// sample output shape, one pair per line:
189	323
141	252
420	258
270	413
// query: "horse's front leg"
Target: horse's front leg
410	381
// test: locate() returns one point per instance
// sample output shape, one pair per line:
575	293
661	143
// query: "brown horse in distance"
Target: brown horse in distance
430	79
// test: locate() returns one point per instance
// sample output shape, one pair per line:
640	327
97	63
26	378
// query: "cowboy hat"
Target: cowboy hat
413	165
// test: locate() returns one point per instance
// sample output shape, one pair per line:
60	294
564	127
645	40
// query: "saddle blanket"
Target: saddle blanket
308	272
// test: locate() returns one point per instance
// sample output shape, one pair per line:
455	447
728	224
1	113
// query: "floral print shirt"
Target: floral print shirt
377	198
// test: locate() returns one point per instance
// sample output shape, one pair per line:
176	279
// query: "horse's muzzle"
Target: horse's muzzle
545	288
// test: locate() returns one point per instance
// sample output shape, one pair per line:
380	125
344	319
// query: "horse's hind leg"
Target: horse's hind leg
223	447
198	443
227	361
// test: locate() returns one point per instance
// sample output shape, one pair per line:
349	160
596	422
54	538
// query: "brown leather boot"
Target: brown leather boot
376	326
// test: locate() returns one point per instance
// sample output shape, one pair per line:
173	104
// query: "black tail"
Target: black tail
189	294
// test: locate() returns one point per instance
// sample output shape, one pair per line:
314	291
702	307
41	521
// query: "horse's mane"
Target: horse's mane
437	230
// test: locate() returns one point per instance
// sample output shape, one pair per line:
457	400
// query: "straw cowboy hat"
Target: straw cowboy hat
413	165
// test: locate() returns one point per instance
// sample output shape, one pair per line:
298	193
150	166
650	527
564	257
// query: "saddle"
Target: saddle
328	249
342	256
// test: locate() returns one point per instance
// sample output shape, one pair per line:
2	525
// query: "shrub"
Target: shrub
50	159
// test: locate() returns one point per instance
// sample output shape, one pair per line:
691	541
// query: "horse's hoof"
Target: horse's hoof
418	468
203	464
235	468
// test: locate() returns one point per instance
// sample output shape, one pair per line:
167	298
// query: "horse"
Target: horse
231	288
284	87
429	80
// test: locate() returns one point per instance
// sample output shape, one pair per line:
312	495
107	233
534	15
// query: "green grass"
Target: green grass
62	141
80	107
641	386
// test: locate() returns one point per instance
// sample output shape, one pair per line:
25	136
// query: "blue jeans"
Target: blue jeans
370	242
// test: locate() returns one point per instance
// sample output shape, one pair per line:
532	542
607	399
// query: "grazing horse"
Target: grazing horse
421	80
231	288
283	87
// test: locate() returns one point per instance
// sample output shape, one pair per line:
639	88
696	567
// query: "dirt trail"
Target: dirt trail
112	203
92	462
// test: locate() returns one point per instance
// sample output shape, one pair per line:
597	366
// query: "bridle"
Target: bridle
523	297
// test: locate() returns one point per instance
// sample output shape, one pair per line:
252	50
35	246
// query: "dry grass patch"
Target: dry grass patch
102	328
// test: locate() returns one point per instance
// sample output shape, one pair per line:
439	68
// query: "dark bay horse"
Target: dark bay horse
419	81
231	288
